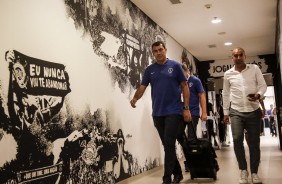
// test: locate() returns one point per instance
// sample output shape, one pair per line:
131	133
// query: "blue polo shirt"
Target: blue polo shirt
195	87
165	87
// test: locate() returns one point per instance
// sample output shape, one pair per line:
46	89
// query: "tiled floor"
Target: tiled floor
270	170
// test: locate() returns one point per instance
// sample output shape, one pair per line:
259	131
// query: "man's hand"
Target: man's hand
226	119
187	115
253	97
133	102
204	117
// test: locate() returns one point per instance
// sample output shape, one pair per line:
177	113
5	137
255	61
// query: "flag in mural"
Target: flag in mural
36	91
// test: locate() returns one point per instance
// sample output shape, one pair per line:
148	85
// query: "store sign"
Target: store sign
218	67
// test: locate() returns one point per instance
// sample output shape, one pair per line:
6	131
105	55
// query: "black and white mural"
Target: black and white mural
67	71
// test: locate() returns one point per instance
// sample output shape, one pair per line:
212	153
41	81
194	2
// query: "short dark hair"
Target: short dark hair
157	43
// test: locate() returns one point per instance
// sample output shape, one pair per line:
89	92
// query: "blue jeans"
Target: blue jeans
249	121
168	129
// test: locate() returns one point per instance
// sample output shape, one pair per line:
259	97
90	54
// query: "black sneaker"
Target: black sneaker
177	178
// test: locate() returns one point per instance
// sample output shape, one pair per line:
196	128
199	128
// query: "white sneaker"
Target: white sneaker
243	177
255	178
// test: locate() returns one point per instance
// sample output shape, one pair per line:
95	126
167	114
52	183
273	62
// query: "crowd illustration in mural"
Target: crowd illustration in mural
131	29
55	145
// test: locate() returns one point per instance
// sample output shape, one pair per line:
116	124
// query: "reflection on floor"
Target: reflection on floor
270	170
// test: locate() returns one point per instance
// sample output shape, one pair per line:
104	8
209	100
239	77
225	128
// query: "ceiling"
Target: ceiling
249	24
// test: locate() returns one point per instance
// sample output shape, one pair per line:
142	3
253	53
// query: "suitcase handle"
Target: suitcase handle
191	125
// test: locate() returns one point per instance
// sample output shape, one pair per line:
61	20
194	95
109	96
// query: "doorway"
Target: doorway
215	86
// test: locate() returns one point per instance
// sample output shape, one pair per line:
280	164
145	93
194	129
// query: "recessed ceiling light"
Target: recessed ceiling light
216	20
228	43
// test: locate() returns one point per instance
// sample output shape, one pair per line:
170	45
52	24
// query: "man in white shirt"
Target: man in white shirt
243	86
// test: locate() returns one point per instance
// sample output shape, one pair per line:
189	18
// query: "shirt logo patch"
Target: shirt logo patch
170	70
190	84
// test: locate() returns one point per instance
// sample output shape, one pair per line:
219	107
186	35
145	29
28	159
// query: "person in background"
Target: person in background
167	81
274	114
243	86
263	111
197	100
222	127
212	126
272	127
268	112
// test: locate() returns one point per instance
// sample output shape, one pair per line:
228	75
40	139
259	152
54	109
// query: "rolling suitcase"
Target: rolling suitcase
200	156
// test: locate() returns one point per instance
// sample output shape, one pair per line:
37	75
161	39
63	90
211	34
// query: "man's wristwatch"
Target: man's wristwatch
186	107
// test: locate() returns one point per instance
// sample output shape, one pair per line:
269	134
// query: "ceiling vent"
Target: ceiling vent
212	46
221	33
175	1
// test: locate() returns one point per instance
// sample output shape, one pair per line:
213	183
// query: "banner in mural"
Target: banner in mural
37	89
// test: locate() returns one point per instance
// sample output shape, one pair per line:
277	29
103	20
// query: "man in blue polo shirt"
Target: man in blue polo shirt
167	81
197	99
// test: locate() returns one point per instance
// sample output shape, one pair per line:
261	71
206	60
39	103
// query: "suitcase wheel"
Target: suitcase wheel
192	175
214	174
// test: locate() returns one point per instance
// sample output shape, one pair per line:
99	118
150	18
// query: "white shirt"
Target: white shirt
237	85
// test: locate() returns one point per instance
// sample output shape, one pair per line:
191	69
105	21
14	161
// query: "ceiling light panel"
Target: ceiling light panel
228	43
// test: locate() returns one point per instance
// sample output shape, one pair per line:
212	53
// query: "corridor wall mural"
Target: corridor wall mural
68	69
